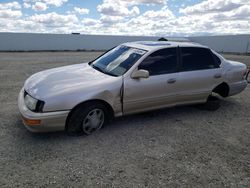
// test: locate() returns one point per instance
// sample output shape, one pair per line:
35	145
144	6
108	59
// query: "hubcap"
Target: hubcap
93	121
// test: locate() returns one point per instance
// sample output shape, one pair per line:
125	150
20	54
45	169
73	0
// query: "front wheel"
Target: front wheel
87	119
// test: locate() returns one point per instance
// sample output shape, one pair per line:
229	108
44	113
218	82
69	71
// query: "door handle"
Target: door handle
171	80
217	76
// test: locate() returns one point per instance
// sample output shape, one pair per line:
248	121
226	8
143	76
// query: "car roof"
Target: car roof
154	45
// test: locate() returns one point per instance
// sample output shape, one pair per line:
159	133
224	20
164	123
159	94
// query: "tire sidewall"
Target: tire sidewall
74	124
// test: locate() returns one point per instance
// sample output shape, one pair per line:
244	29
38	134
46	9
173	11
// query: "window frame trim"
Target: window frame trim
213	55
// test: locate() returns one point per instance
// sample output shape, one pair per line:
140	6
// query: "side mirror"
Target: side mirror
140	74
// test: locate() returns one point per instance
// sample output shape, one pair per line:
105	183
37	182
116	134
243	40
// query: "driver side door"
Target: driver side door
156	91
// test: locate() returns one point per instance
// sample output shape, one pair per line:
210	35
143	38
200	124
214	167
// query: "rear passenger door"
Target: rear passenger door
199	73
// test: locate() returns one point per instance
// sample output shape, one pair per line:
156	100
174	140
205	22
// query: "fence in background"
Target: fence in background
229	43
36	42
61	42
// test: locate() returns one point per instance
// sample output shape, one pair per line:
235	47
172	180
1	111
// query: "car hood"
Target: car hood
63	80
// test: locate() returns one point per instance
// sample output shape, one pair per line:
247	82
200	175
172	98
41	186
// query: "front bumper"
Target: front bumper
49	121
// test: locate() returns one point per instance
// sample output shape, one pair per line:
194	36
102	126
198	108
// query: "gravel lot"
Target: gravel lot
180	146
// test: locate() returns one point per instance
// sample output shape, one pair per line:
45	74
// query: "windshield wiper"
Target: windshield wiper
98	68
103	71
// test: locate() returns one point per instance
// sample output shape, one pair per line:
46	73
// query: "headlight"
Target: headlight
32	103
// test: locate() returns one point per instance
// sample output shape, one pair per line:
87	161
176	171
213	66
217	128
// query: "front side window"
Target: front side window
197	59
118	61
163	61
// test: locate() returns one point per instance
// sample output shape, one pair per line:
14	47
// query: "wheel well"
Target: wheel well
107	105
222	89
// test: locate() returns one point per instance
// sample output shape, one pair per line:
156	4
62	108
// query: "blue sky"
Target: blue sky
174	5
126	17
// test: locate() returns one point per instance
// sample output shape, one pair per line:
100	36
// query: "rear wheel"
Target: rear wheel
248	76
212	104
87	119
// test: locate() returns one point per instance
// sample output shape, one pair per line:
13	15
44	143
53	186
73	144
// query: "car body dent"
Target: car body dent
65	87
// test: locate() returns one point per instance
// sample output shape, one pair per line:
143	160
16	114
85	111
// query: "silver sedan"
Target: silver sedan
130	78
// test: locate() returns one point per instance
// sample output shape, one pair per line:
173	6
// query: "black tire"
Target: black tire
212	104
248	77
74	125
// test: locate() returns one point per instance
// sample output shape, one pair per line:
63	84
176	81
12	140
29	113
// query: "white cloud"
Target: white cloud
11	5
56	3
218	18
10	10
117	8
53	19
125	8
26	5
149	2
39	6
242	13
123	17
90	22
150	22
109	20
8	13
210	6
33	3
161	14
81	10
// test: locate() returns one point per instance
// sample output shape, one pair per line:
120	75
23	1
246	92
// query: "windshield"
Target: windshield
118	60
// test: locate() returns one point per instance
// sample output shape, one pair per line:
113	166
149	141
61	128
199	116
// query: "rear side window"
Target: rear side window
197	59
160	62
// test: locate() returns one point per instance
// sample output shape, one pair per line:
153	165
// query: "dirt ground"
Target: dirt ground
180	146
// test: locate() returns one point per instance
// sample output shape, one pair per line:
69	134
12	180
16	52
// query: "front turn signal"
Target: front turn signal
31	122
